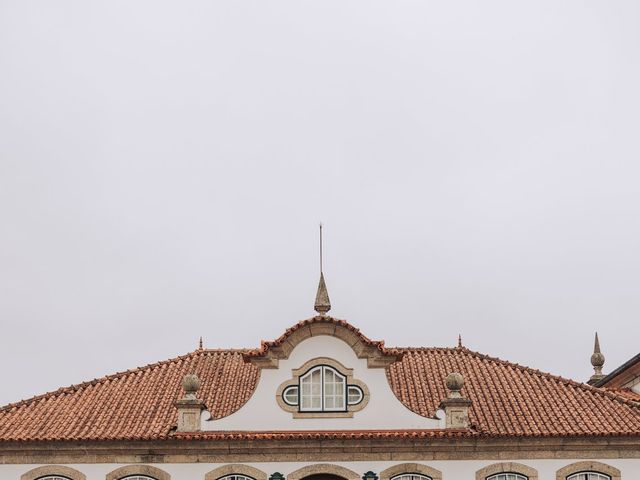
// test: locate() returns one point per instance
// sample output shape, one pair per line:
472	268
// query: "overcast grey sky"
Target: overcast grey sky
164	166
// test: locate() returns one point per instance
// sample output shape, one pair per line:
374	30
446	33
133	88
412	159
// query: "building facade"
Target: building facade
325	402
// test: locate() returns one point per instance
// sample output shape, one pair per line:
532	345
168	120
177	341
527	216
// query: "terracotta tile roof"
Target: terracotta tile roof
508	400
136	404
624	392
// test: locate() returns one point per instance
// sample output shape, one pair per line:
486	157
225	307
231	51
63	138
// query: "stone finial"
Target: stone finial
454	383
597	361
190	384
189	407
322	305
455	406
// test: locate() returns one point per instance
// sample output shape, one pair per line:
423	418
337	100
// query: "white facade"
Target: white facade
451	470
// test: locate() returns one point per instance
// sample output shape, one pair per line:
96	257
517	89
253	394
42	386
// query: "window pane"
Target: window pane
235	477
138	477
589	476
411	476
354	395
334	389
507	476
311	390
291	395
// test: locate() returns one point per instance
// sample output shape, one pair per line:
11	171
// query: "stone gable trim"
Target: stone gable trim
578	467
236	468
410	468
507	467
68	472
280	349
118	473
323	468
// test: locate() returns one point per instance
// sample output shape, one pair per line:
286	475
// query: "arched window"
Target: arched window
138	477
235	477
411	476
53	477
589	476
322	389
507	476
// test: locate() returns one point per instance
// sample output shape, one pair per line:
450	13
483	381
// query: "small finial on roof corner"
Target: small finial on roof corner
597	361
459	341
200	347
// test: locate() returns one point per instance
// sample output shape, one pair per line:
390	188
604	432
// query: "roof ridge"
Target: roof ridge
425	349
77	386
558	378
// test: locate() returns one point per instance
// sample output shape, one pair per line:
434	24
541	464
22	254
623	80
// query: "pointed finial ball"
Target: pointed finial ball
597	359
191	383
454	381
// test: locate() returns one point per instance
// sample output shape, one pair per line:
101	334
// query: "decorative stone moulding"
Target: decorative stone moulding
350	382
323	468
189	407
410	468
507	467
131	470
236	469
373	351
455	406
588	466
53	470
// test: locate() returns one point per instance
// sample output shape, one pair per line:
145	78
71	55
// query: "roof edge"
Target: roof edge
271	352
114	376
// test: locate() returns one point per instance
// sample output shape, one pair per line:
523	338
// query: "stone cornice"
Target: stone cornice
191	451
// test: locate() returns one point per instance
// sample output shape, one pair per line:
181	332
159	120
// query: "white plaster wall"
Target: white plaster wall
451	470
384	411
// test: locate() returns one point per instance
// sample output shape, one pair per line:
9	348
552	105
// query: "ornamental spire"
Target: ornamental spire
323	304
597	361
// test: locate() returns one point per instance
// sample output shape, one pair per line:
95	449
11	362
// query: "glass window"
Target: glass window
138	477
354	395
508	476
311	390
290	395
322	389
588	476
411	476
235	477
53	477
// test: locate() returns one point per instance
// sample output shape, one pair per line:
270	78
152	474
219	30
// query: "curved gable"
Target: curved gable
270	353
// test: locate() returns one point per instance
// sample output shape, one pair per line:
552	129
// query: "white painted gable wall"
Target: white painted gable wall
261	412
